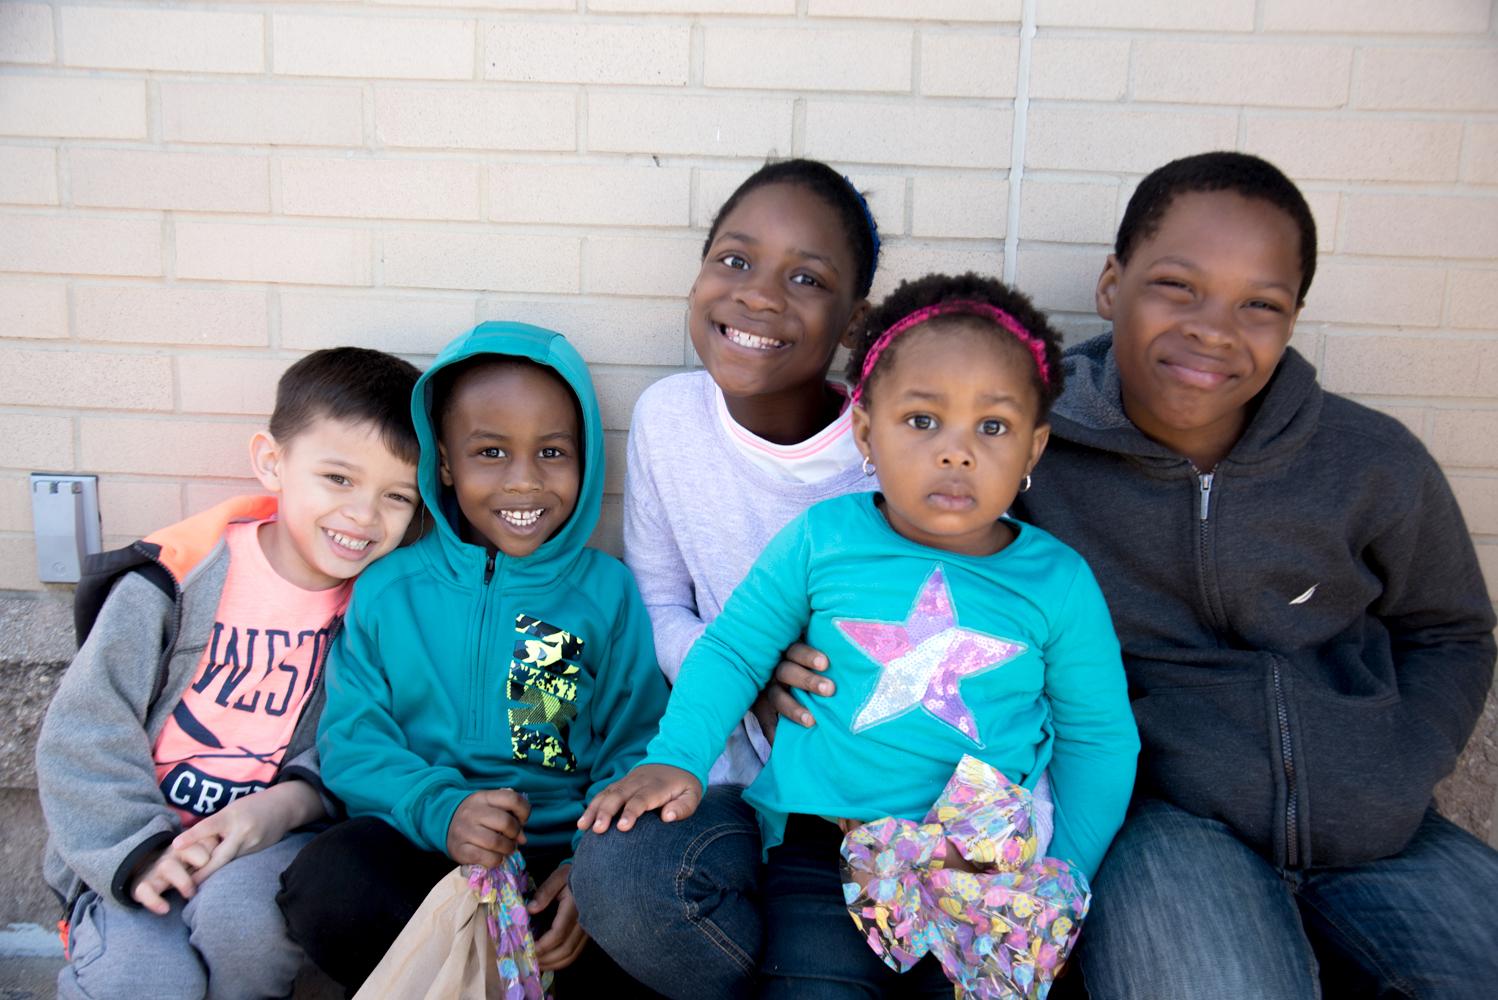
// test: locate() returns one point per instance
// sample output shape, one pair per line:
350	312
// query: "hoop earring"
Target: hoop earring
868	467
1024	484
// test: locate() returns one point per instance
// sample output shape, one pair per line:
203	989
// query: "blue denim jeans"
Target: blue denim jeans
677	904
813	951
1183	909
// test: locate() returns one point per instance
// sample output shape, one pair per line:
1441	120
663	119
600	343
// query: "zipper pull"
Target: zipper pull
1206	488
489	569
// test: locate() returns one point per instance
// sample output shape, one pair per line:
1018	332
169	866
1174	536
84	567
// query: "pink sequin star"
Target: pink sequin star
924	658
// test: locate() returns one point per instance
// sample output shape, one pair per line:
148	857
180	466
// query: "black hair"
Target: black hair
445	381
351	384
836	191
937	288
1239	173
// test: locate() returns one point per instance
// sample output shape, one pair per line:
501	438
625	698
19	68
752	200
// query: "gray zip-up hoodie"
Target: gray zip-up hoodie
1306	632
95	773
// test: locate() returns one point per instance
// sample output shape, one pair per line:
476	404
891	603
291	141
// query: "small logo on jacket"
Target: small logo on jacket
1303	598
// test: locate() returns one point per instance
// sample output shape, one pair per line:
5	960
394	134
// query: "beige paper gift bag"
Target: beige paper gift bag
444	953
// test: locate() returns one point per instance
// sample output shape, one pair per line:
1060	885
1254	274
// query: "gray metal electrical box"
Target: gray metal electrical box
65	517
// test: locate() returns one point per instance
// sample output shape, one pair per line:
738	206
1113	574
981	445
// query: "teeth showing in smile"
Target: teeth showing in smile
749	340
357	544
522	518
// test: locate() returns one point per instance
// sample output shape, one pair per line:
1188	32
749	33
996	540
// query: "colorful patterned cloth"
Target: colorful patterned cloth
1001	933
501	892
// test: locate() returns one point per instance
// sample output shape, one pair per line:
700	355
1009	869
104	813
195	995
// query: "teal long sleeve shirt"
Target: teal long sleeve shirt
1010	657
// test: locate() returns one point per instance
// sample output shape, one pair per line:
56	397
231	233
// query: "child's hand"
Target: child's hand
565	938
245	826
800	667
155	880
648	787
487	827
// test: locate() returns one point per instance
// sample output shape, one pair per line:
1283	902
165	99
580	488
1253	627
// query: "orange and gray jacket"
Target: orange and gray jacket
144	614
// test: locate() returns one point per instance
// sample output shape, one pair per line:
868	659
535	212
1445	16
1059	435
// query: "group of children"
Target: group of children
884	580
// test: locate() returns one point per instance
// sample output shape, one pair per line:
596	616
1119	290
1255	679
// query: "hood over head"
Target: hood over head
545	347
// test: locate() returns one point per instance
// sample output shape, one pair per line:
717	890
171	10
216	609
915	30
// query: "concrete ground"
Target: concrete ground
30	958
28	978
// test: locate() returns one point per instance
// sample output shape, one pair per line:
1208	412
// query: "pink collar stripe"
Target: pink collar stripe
954	307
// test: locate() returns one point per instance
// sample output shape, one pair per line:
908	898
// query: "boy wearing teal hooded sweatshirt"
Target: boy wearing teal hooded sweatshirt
489	678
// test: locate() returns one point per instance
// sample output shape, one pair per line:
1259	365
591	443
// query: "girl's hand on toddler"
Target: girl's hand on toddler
487	827
160	877
245	826
648	787
565	938
800	667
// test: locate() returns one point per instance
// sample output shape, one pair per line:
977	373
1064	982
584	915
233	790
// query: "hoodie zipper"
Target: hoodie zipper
1204	508
476	669
1287	760
1281	709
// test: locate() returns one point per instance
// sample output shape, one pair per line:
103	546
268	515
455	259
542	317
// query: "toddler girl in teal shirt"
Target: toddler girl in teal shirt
954	631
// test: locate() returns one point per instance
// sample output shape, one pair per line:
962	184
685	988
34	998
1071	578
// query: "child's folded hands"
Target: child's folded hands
155	880
647	788
245	826
487	827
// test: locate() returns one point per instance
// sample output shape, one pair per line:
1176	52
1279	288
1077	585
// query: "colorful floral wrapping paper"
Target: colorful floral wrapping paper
501	892
1001	933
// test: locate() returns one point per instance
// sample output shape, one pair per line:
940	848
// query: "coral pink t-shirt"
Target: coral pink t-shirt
228	734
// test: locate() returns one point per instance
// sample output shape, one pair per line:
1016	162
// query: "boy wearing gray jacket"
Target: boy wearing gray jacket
176	761
1305	629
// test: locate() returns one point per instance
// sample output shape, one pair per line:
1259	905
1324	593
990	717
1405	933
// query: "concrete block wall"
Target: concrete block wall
193	194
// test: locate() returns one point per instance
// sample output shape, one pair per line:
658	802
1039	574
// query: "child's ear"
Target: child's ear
443	472
265	459
1040	438
861	430
1107	287
849	338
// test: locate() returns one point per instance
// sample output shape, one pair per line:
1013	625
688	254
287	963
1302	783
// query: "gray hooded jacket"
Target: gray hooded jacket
95	773
1305	628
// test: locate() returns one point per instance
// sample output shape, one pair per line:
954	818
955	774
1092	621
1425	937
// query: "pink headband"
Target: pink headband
961	307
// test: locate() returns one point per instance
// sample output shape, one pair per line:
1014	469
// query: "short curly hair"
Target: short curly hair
1239	173
937	288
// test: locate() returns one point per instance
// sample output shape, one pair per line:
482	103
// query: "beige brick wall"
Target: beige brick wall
193	194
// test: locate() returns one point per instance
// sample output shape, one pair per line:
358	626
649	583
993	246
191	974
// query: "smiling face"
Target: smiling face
511	449
1201	315
344	500
951	427
774	297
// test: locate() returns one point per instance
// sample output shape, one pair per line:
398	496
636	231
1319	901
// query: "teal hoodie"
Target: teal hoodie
457	672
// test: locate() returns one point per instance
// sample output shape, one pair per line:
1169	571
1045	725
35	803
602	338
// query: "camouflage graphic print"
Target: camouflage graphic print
543	692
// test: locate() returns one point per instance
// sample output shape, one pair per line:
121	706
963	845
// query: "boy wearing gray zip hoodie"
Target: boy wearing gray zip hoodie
1307	635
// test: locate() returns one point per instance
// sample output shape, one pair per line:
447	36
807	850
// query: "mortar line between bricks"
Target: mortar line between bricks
1017	141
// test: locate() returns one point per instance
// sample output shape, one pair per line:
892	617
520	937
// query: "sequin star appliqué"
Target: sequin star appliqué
924	658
